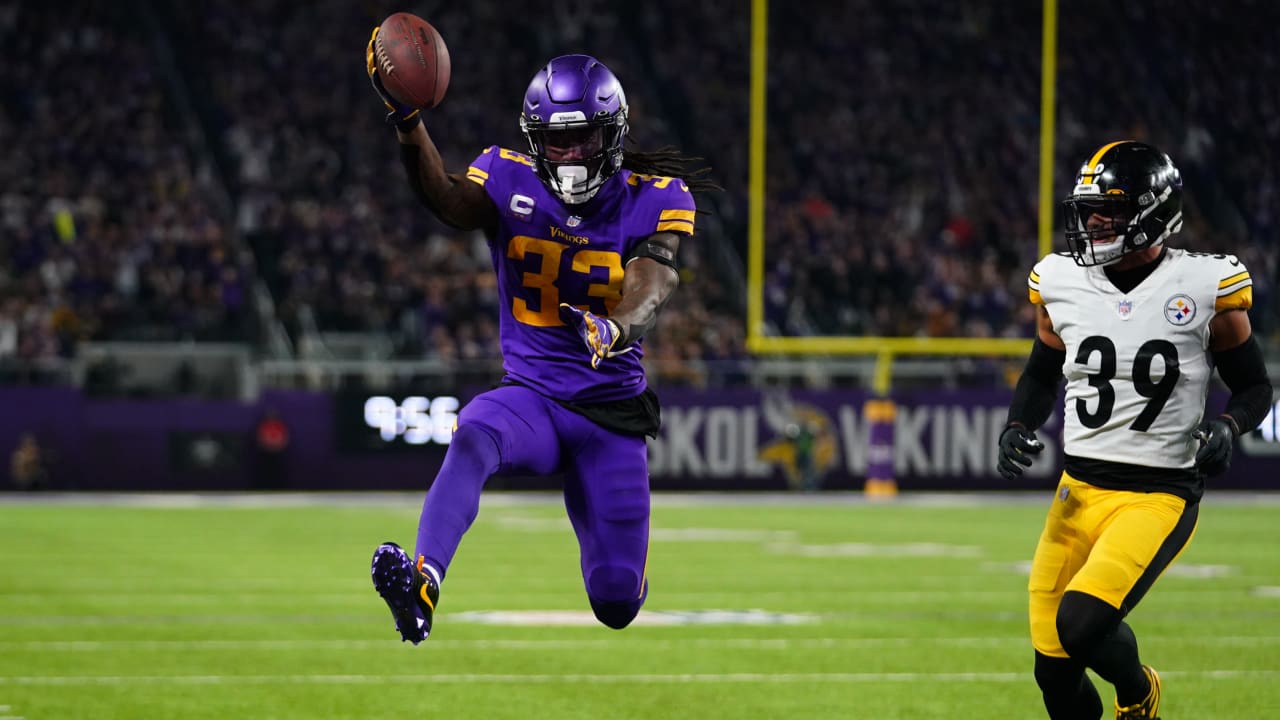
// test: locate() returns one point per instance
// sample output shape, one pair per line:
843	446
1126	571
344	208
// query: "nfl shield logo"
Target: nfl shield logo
573	221
1124	308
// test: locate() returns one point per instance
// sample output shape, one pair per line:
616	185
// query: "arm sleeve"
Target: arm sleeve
1037	389
1244	371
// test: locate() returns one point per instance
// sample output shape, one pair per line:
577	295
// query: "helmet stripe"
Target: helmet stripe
1093	161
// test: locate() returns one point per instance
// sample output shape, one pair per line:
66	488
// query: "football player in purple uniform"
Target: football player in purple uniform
583	235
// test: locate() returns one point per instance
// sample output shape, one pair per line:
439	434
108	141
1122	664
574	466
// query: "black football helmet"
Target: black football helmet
1135	193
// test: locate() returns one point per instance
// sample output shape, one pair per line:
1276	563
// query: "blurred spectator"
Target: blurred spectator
106	231
902	162
27	465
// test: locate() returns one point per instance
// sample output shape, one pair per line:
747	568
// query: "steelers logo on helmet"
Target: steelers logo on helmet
575	121
1127	197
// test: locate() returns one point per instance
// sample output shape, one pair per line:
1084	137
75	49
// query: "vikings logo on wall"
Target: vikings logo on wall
1180	309
805	445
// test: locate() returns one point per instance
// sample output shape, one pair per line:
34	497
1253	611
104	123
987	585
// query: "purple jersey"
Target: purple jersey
546	252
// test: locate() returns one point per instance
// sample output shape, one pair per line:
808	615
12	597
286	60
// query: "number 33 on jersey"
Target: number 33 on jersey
546	253
1137	364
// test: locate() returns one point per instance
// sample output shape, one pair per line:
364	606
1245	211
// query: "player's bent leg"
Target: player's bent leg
453	501
506	429
1068	692
409	591
1144	535
1093	631
607	498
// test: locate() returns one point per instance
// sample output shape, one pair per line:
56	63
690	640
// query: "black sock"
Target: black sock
1092	631
1115	659
1068	692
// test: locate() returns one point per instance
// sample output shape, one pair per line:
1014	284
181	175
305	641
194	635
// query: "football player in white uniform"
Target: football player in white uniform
1137	328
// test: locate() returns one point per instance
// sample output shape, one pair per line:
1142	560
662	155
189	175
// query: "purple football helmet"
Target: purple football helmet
575	119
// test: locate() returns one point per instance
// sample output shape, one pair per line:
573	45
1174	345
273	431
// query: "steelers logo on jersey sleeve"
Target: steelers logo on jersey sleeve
1180	309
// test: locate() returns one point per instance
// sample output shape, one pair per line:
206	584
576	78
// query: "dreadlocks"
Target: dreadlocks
668	161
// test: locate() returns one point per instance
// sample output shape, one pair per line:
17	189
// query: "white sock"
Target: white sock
434	573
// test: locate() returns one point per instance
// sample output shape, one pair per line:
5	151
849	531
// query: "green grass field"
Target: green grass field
887	611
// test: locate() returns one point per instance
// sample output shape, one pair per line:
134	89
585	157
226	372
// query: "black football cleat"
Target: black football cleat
410	593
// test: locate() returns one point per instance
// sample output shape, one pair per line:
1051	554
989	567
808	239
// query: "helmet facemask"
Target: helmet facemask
1127	198
1101	229
575	157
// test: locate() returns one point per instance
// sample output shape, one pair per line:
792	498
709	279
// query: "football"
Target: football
412	59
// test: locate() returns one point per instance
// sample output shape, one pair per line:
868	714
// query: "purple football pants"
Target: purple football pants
513	429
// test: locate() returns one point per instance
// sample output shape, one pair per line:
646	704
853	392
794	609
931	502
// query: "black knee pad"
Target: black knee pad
616	615
1083	621
614	596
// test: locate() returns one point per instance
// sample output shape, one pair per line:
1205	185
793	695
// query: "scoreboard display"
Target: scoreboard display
390	421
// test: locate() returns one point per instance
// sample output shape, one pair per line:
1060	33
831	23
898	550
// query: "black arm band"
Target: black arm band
407	125
653	251
1245	373
1037	389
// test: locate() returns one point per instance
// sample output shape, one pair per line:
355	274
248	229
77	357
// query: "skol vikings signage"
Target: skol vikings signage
940	440
721	440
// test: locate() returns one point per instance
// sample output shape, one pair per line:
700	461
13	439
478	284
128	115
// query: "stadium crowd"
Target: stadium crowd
902	176
107	229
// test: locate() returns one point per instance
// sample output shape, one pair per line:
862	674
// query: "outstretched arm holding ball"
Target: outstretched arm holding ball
408	65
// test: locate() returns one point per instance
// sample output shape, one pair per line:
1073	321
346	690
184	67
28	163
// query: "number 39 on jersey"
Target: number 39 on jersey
1138	362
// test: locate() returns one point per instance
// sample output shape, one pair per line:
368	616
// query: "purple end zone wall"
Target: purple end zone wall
725	440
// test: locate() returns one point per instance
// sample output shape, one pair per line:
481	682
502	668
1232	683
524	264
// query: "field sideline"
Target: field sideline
762	606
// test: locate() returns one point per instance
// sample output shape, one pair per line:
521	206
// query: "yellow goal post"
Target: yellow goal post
884	348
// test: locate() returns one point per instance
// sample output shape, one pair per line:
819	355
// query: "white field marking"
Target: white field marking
219	598
326	602
1187	570
413	500
524	523
721	535
877	550
589	644
571	678
658	534
657	618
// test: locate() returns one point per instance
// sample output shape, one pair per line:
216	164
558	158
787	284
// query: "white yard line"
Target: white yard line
570	678
562	644
413	500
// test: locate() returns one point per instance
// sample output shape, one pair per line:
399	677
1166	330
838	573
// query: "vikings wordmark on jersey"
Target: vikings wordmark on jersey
1138	363
546	253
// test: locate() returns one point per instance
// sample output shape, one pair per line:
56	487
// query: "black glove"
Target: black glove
1018	446
1214	456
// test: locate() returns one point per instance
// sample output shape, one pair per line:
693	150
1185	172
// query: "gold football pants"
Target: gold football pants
1111	544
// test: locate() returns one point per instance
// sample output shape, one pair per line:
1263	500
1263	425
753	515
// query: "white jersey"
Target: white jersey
1138	363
